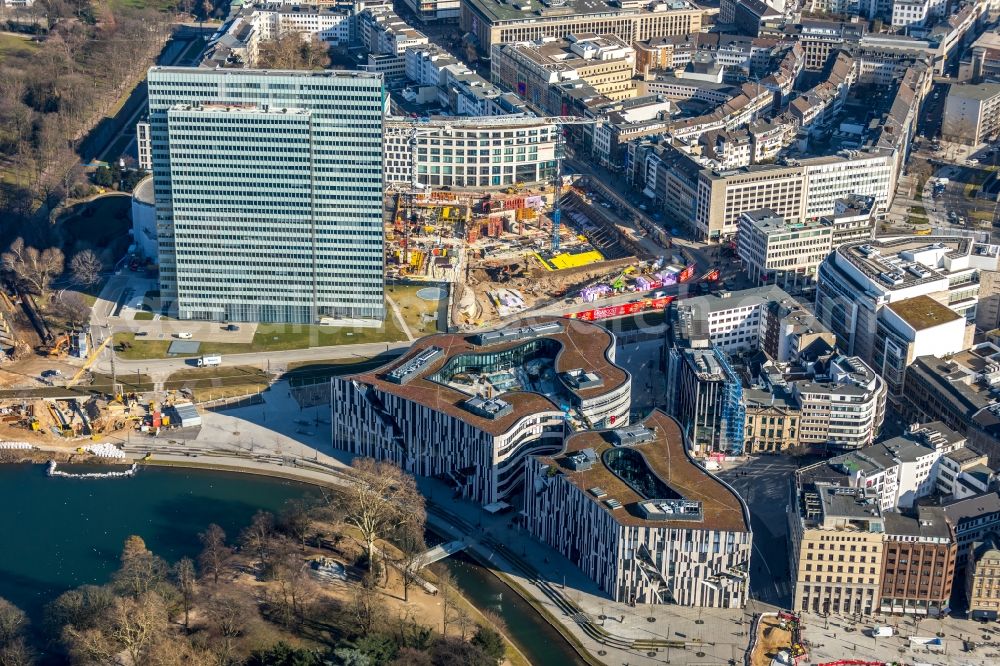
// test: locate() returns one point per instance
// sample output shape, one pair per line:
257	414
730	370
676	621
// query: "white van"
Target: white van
209	361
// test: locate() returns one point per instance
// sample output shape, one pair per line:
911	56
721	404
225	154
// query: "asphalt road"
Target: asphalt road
764	482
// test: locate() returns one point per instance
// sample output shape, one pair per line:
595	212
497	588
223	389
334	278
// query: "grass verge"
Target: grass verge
221	382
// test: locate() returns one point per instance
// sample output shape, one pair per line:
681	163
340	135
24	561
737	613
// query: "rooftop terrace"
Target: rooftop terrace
649	479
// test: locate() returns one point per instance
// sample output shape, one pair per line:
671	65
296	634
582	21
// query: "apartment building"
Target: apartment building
780	252
471	408
918	564
268	193
809	188
960	391
853	219
641	518
964	473
842	403
972	519
483	153
898	471
837	401
605	62
709	401
982	579
971	113
837	539
506	22
859	279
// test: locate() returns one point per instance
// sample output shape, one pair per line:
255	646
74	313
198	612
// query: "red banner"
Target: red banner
622	310
686	274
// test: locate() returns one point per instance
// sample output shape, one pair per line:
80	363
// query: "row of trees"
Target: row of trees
34	270
192	613
53	95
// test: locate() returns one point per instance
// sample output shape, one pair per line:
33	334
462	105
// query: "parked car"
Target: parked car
232	327
183	335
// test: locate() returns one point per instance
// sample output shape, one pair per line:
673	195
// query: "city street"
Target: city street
765	484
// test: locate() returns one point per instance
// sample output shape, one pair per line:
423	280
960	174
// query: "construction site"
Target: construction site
506	253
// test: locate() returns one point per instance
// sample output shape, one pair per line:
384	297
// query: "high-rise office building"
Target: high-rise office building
268	189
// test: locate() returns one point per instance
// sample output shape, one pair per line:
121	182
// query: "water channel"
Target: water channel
62	533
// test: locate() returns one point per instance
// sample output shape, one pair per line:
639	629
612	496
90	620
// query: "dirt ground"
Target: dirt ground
422	607
770	639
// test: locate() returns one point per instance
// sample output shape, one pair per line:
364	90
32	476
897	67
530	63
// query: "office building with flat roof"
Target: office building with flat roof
961	390
782	252
837	538
971	113
633	510
858	279
471	408
505	21
918	563
268	189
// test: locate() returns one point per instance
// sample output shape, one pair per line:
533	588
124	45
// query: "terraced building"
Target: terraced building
471	408
633	510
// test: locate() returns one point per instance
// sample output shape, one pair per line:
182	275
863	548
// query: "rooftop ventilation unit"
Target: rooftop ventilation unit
581	461
416	365
513	334
632	435
489	408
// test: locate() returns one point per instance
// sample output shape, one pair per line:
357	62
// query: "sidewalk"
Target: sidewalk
842	636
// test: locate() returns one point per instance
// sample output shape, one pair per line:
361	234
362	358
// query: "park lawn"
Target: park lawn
143	316
218	382
269	337
982	215
159	5
918	210
415	310
916	219
140	349
17	47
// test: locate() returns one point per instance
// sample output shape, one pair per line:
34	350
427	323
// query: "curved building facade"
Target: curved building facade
144	219
472	408
633	510
492	152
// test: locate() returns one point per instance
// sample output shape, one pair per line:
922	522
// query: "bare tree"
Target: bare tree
367	607
295	521
72	308
258	537
230	616
34	269
411	546
86	267
296	588
13	621
137	624
187	583
140	570
449	599
14	650
383	500
214	553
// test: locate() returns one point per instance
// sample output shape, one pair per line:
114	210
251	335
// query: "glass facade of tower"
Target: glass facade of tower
268	188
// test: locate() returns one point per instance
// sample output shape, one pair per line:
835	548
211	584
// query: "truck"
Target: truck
209	361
